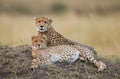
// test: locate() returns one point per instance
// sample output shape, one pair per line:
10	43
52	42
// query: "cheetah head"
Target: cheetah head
39	42
42	24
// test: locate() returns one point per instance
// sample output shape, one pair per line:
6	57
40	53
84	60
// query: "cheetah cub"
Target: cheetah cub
44	55
50	55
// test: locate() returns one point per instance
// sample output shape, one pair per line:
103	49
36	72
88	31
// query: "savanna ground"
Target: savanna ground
15	64
96	23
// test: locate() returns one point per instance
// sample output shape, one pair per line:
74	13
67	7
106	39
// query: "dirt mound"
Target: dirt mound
15	64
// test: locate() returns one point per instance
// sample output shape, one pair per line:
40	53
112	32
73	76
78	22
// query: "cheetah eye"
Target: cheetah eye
45	21
41	41
39	21
35	40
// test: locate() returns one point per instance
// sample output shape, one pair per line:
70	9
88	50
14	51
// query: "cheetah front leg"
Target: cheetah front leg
34	64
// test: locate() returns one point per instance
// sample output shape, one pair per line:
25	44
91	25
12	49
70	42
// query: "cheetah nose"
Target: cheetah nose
38	44
41	26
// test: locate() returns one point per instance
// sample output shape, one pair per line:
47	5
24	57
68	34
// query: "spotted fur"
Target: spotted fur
44	27
49	55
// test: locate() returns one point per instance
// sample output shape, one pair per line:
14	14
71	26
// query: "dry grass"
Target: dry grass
45	6
102	32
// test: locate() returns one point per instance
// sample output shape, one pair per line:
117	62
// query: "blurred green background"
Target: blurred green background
94	22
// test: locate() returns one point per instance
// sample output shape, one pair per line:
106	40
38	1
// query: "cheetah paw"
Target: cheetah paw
102	66
34	64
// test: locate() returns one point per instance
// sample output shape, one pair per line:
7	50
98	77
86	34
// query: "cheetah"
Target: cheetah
49	55
44	27
38	42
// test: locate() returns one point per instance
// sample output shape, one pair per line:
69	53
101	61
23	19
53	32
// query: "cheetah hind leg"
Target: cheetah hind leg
101	66
83	59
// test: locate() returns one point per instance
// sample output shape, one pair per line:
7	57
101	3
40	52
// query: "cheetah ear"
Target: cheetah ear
35	18
45	37
50	20
33	37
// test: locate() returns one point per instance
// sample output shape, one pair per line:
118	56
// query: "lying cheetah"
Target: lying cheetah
38	42
43	26
48	55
